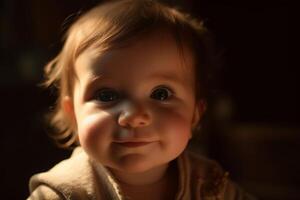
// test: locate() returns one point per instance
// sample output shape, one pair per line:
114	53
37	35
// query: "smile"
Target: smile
133	144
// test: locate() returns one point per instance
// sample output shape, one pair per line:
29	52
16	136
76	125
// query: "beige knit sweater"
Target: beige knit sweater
78	178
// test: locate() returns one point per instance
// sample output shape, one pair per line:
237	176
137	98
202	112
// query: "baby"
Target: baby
132	79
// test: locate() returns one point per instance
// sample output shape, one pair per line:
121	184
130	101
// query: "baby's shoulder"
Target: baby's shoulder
215	181
73	176
204	167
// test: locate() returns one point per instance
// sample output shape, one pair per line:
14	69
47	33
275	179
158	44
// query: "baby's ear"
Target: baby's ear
200	109
68	108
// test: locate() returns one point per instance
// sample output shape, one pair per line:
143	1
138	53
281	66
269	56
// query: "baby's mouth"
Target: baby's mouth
133	144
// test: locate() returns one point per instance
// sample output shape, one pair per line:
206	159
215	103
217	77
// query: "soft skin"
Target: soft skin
135	77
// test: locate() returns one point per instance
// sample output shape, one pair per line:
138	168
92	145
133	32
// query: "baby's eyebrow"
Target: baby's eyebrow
155	76
96	78
166	76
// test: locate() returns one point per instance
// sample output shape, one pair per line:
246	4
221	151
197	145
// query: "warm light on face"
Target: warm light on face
135	106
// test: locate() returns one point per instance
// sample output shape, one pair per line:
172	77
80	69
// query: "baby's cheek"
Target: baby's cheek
175	128
95	130
174	121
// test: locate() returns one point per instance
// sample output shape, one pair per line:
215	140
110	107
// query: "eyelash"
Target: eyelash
110	99
114	95
170	92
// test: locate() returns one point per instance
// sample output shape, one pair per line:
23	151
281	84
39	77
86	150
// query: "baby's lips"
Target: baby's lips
134	143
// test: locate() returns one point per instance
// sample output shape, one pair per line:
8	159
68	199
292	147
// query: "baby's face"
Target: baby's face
135	106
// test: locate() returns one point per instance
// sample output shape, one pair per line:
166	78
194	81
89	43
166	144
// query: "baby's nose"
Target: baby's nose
134	115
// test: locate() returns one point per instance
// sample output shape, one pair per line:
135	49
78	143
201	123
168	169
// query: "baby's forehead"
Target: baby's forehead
159	46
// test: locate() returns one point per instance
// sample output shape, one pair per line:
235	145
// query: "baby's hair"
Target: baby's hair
114	24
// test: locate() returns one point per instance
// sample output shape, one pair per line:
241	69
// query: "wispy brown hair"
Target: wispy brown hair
110	25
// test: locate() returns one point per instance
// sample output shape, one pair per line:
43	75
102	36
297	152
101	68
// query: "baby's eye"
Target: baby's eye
106	95
161	94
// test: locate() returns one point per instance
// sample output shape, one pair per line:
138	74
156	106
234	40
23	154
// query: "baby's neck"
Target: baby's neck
158	183
140	179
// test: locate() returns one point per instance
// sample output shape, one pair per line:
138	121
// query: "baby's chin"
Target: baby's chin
129	163
134	163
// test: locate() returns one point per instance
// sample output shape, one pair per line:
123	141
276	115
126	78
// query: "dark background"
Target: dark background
254	123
